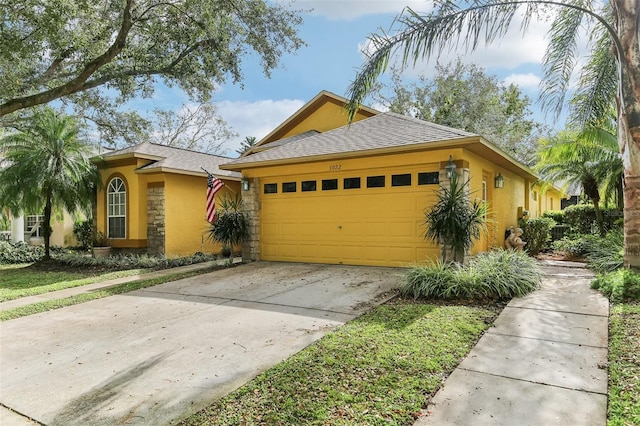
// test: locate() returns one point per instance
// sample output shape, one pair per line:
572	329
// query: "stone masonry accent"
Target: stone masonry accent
251	207
155	220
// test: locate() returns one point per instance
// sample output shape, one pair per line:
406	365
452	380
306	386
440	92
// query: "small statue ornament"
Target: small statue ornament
514	241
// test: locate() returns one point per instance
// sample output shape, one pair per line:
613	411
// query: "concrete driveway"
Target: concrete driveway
157	355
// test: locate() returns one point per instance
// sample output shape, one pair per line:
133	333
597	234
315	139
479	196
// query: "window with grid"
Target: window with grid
116	209
31	221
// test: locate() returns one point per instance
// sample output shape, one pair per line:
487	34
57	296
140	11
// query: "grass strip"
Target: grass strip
20	282
36	308
378	369
624	365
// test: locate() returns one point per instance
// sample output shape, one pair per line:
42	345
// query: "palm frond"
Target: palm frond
425	36
598	84
561	56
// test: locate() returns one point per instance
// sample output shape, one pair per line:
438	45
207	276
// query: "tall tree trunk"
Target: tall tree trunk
599	218
626	14
46	228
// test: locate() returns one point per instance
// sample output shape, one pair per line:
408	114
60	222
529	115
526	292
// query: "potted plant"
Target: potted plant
101	245
231	226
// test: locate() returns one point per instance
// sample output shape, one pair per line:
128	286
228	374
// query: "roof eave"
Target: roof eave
182	172
352	154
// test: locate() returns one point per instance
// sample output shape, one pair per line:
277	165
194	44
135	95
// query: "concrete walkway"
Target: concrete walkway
543	363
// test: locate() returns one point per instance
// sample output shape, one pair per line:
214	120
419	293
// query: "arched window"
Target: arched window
116	209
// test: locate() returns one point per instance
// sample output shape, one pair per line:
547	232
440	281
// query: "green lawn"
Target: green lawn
624	364
20	280
378	369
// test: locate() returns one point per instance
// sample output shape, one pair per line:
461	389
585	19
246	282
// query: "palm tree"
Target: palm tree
589	158
48	168
615	43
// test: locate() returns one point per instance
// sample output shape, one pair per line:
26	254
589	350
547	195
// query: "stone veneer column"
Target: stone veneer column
251	208
155	220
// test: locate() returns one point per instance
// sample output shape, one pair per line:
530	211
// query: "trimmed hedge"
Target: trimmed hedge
582	218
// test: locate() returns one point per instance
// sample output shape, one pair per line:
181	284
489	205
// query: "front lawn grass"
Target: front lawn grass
378	369
624	364
20	280
49	305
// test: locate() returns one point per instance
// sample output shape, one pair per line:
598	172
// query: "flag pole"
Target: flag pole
226	186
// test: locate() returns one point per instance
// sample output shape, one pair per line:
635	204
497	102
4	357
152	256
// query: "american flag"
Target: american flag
213	186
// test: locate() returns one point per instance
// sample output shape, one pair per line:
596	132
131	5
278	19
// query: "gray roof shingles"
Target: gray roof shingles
385	130
176	159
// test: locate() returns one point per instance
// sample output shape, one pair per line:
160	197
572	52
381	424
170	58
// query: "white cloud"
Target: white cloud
353	9
508	52
255	118
528	81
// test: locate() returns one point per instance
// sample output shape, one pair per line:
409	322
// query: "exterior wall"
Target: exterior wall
156	218
186	226
251	206
503	202
136	185
62	234
328	116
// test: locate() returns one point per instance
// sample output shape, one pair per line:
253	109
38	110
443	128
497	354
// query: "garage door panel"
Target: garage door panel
361	226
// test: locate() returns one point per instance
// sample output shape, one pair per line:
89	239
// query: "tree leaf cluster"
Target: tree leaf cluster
464	96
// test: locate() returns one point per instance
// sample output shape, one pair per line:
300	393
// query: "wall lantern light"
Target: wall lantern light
499	181
245	183
450	168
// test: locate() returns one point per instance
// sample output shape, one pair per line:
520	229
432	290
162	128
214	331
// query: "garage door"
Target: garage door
369	219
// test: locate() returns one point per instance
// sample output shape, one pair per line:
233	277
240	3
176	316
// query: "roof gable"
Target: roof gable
324	112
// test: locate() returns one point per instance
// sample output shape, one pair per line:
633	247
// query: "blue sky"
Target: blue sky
335	31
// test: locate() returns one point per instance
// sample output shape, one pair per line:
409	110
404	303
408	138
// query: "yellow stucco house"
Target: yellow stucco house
316	189
320	190
154	198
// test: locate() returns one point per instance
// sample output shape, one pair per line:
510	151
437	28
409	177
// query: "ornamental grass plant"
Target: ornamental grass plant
497	275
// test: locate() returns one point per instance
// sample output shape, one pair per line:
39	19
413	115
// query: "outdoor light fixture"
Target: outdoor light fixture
245	183
450	168
499	181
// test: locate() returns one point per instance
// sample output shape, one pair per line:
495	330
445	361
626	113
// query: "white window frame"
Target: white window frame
116	205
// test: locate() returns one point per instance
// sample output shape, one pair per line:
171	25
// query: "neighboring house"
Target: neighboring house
154	198
320	190
27	228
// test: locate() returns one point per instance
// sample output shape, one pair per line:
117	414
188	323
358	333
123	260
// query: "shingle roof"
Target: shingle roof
385	130
174	159
285	140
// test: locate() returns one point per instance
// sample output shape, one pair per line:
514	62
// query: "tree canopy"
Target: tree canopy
96	55
466	97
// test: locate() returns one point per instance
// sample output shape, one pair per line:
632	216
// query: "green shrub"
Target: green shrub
134	261
575	244
83	232
537	233
582	218
499	274
619	285
231	226
556	215
11	253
